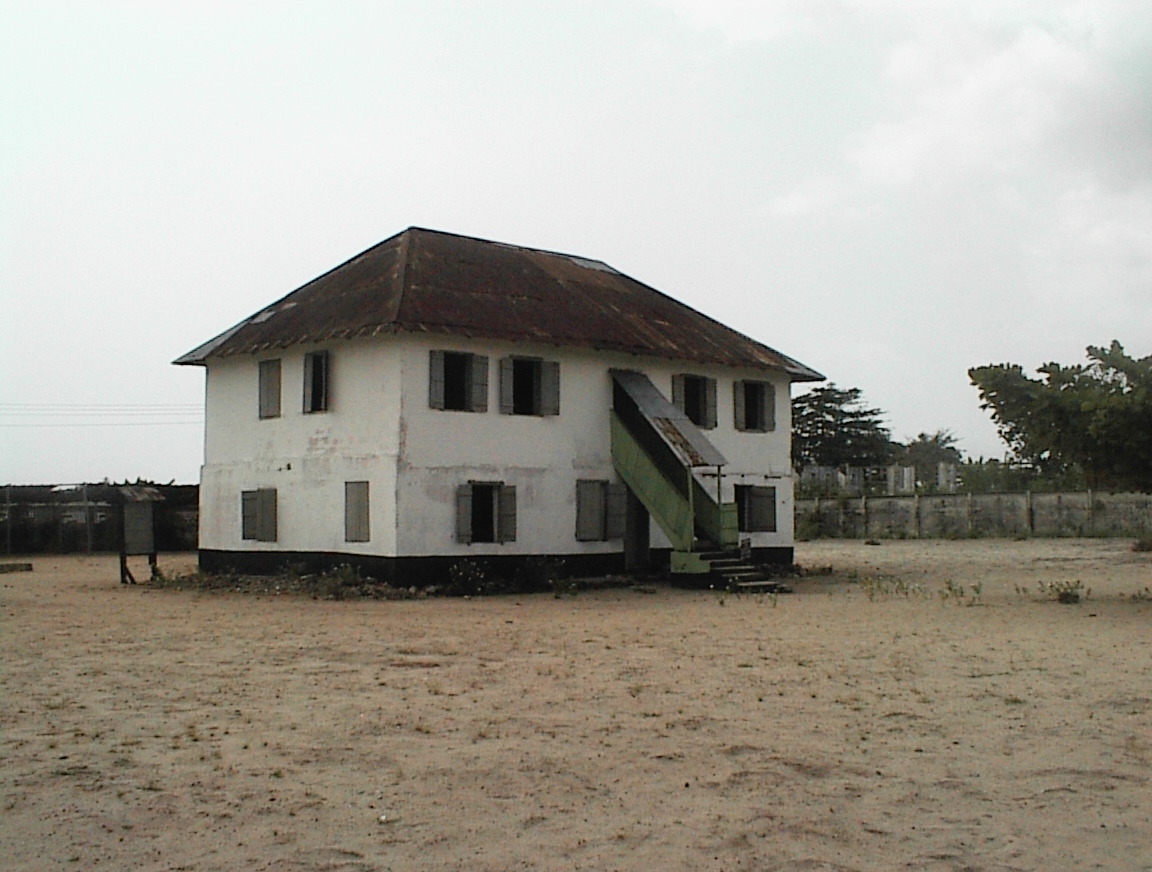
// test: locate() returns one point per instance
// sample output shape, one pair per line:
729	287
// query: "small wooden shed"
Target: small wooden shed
138	535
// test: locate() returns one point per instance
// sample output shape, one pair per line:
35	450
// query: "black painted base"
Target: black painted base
424	571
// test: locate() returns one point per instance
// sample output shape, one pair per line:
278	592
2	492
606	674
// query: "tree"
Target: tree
1097	416
832	427
926	453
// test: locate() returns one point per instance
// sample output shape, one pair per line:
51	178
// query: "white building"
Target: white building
439	397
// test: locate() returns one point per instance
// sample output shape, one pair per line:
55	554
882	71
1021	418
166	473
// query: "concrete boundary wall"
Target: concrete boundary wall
960	516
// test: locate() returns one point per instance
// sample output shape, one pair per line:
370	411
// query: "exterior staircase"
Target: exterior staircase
655	449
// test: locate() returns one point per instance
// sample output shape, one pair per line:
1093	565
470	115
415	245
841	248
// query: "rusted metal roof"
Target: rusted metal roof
685	439
425	281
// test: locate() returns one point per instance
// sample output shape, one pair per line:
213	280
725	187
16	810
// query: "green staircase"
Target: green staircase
697	526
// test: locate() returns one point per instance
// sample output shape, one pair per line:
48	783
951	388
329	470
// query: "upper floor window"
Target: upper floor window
316	374
695	396
270	388
457	381
529	386
755	405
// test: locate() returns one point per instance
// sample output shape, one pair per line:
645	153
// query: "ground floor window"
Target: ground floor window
486	512
258	515
356	511
756	509
601	508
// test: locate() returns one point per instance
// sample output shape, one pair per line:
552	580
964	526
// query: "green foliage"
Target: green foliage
832	427
1097	417
926	452
1006	477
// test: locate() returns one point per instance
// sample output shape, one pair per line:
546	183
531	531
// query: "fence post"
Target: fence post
916	512
864	512
1091	515
968	510
1030	513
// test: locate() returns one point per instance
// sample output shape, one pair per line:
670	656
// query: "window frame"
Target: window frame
258	518
313	359
767	402
601	510
268	383
357	511
705	390
475	387
751	512
503	508
545	399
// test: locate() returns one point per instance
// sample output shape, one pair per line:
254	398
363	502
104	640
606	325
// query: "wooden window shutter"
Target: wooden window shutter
617	511
266	512
738	404
356	511
436	379
550	387
249	515
589	510
506	386
477	383
506	513
769	407
761	510
678	392
269	384
464	514
709	403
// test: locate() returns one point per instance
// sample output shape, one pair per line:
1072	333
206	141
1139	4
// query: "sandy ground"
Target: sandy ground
872	720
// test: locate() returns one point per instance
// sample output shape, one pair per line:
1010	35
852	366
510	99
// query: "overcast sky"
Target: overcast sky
891	192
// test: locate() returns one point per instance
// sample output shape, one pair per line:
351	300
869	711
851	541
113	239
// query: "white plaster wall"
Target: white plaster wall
544	456
379	428
306	457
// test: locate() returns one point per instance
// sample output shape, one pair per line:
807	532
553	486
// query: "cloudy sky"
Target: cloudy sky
891	191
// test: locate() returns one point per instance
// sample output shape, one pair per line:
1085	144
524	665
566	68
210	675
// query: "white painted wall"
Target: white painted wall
544	456
306	457
380	428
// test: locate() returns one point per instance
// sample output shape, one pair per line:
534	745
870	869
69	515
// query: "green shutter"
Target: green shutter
678	392
738	404
506	386
709	403
506	513
269	384
249	515
550	387
589	510
477	383
266	502
464	514
617	511
769	407
761	509
356	511
436	379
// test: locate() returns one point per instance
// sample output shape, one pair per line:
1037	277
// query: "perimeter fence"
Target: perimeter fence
85	518
962	516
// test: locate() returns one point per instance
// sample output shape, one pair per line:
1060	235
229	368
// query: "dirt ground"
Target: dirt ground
876	719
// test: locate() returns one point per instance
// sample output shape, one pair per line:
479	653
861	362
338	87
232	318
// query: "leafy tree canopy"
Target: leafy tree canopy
1097	416
832	427
926	452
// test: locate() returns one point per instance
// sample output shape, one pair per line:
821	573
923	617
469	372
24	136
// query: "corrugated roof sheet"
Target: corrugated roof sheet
685	439
425	281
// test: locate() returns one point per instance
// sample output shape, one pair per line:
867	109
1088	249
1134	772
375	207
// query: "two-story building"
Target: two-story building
439	397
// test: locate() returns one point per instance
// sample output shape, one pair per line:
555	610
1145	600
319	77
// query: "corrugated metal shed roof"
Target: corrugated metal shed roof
425	281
